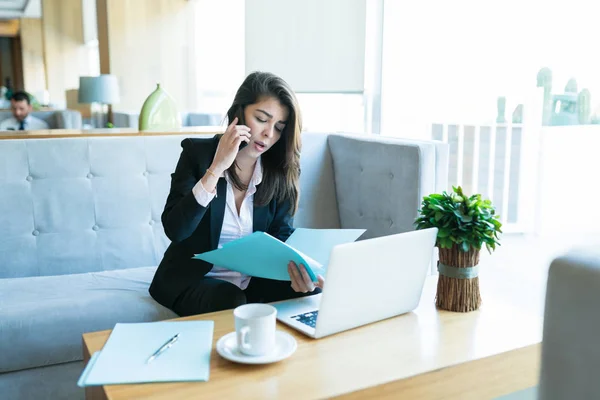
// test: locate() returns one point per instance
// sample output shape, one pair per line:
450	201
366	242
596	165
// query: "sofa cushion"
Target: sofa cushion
380	181
42	318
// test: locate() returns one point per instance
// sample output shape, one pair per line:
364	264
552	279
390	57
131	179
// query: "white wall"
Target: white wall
89	22
568	189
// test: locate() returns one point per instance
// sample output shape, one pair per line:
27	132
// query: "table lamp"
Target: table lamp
99	91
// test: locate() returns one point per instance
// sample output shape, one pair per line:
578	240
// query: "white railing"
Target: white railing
501	161
487	159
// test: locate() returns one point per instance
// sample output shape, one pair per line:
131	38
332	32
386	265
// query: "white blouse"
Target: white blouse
235	226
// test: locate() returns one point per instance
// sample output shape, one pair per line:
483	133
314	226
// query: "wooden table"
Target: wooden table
425	354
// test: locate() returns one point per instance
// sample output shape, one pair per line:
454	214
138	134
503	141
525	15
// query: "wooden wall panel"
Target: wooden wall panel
32	44
17	62
9	28
102	23
145	42
66	56
6	64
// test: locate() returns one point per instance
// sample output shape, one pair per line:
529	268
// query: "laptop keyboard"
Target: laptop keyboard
309	318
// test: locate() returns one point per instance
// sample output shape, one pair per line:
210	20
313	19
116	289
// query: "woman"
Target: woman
229	186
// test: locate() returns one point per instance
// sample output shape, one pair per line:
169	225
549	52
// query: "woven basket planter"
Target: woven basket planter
458	283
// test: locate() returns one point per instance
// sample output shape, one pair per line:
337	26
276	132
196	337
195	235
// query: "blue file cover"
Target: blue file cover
261	255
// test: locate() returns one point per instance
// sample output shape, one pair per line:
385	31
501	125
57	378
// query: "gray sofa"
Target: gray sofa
81	236
131	120
58	119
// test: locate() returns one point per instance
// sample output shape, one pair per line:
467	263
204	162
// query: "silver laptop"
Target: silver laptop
365	282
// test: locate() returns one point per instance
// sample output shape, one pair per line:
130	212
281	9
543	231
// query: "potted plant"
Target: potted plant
464	225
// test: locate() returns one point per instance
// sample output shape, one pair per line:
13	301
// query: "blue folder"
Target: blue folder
318	243
123	358
261	255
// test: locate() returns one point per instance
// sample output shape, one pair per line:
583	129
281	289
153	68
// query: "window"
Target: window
449	61
332	112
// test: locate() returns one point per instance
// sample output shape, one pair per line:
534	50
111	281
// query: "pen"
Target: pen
163	348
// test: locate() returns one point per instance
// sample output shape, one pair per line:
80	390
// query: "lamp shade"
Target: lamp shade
102	89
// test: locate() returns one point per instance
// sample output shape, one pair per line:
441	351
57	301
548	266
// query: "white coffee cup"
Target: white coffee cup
255	328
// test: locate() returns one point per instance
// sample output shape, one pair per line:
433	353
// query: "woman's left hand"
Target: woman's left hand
301	282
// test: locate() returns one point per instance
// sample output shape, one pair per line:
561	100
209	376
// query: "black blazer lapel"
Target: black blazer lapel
260	218
217	212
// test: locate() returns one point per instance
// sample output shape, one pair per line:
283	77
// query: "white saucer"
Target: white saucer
285	346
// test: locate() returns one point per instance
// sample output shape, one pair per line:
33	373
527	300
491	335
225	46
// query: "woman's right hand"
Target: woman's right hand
229	145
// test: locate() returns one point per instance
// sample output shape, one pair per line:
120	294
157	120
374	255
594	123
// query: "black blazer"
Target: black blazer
194	229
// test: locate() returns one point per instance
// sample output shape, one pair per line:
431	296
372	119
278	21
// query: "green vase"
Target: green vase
159	112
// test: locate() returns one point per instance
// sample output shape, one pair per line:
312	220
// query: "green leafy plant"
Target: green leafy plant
468	222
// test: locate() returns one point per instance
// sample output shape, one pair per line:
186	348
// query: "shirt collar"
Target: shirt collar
257	175
26	121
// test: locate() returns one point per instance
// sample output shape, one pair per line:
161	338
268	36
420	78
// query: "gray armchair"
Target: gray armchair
570	350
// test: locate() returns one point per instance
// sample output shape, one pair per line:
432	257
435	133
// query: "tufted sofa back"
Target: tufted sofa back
82	204
72	205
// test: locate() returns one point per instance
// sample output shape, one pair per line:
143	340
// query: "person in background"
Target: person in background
227	187
20	105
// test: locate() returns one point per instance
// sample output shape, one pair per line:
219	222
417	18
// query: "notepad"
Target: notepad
261	255
123	358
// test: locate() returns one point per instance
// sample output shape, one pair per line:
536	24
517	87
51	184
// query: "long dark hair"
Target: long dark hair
281	163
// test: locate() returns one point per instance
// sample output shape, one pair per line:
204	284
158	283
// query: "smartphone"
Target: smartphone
241	121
